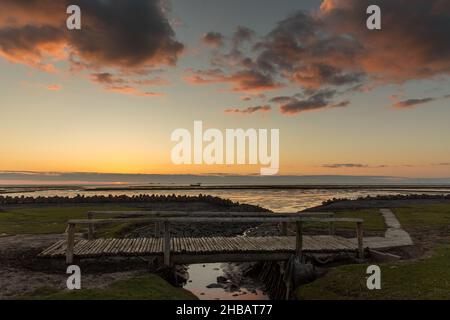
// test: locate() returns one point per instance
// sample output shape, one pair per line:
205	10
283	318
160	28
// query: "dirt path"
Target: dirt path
394	236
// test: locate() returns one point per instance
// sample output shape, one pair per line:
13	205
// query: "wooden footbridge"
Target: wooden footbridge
185	250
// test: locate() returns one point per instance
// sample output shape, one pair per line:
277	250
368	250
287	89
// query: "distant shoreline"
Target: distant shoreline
387	187
268	187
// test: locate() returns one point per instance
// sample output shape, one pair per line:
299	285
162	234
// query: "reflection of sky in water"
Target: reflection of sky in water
276	200
202	275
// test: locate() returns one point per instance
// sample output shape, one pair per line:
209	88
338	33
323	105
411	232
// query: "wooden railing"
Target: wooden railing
158	226
168	218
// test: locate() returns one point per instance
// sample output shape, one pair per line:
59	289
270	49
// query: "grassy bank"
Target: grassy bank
144	287
425	278
46	220
373	220
424	217
53	219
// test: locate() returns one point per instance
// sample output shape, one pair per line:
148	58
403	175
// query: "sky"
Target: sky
106	98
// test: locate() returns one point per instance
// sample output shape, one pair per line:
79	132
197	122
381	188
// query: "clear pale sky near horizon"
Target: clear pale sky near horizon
346	100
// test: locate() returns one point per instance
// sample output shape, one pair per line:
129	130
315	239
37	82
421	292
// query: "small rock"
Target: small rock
214	286
222	279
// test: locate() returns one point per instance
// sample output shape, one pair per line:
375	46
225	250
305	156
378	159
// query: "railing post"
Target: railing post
166	243
332	228
359	235
70	243
299	239
91	229
283	228
157	229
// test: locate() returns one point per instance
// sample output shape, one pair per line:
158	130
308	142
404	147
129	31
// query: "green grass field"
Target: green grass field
144	287
425	278
424	217
46	220
373	220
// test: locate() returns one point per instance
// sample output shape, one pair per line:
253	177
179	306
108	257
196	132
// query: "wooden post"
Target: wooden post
284	228
157	229
70	243
331	228
91	229
299	239
166	243
359	235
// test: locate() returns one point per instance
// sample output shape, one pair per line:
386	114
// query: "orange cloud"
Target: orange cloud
133	91
54	87
247	81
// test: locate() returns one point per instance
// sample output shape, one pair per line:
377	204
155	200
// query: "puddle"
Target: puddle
237	287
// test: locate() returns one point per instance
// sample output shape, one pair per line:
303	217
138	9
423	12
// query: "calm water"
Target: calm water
276	200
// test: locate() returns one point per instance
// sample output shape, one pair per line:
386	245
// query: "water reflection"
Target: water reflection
203	275
276	200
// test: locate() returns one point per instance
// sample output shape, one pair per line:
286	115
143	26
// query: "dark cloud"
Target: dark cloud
106	78
241	35
315	100
130	36
109	78
411	103
319	74
213	39
331	48
345	165
282	99
250	110
125	34
419	29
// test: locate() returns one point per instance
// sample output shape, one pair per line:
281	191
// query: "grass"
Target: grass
427	279
144	287
46	220
424	217
373	220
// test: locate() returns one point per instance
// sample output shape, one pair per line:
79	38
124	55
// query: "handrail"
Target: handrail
91	214
127	214
272	219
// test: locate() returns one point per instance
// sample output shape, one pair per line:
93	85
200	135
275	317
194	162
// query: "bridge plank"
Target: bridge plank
200	246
